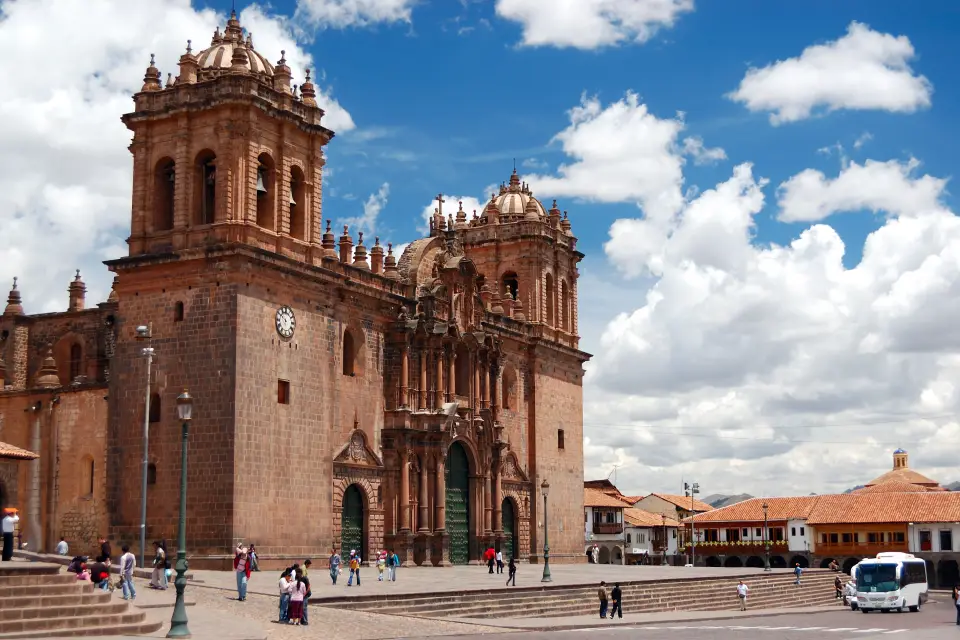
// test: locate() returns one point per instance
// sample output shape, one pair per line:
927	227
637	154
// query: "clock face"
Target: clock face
286	322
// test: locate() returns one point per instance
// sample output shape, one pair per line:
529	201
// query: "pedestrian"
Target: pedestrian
306	598
254	559
798	571
241	566
616	595
105	552
334	566
512	572
602	594
127	563
158	578
381	565
100	573
283	586
296	601
359	564
499	561
354	568
595	554
491	557
10	520
838	587
742	592
396	565
62	548
956	601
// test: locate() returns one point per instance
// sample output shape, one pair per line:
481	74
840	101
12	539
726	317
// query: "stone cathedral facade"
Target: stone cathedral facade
345	397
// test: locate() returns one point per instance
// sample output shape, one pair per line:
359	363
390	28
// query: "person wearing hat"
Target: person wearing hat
10	520
354	568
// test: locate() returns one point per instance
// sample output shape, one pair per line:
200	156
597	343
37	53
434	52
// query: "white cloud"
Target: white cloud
693	147
371	211
591	24
864	69
533	163
65	176
864	138
450	206
341	14
888	186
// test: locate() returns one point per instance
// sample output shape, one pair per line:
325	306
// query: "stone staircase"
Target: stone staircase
772	590
40	601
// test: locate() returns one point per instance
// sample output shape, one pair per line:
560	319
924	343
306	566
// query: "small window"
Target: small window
803	531
872	538
793	531
86	480
758	532
283	391
847	538
746	532
151	474
834	538
628	539
76	361
559	438
178	312
898	536
155	408
349	354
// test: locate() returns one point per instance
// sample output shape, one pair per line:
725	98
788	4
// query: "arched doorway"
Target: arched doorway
508	518
825	563
948	574
777	562
713	561
458	503
604	557
755	562
733	561
801	560
352	534
849	564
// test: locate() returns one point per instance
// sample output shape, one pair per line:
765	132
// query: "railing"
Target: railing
857	548
739	547
608	527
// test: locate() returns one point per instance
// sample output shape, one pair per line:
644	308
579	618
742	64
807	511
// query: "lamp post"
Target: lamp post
665	544
691	491
178	623
545	489
766	540
144	333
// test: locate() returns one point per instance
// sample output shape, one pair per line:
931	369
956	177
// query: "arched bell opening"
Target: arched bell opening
266	191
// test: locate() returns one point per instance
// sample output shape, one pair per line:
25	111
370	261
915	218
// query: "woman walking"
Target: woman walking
512	572
158	579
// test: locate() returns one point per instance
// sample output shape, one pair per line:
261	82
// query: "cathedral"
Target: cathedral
344	397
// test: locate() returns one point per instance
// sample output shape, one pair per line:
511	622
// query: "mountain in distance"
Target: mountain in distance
718	500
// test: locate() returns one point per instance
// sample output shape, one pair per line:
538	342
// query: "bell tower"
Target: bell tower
227	152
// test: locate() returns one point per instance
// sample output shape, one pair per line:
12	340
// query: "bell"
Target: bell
171	175
260	186
292	201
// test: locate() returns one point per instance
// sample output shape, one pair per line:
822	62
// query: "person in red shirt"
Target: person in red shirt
241	565
490	555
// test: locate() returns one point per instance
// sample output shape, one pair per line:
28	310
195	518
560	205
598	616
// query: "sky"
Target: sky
761	189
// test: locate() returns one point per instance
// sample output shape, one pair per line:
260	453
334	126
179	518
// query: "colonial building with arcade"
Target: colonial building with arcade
344	397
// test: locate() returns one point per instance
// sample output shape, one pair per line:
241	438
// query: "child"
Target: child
354	569
381	565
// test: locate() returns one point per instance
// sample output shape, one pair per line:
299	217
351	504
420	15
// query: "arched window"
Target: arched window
155	409
178	311
509	391
151	474
86	476
549	293
511	285
165	180
206	190
349	354
566	311
559	438
298	204
76	361
266	191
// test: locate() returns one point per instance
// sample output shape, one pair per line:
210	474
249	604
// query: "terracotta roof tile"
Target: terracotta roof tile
683	502
597	498
904	474
752	510
896	487
934	506
642	518
16	453
632	499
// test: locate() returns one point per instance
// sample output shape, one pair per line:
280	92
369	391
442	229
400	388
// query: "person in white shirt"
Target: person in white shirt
742	592
10	520
62	549
285	584
127	563
499	562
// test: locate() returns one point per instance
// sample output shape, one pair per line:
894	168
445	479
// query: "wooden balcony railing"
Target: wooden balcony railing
865	549
606	527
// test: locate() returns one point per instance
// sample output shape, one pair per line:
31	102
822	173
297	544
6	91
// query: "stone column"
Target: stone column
423	379
404	376
34	539
497	499
452	379
486	384
439	398
475	400
424	501
440	518
404	494
487	505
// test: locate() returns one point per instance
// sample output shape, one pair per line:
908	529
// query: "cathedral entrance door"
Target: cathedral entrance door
351	528
458	504
509	547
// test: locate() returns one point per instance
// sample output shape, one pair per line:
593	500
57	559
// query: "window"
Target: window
834	538
628	539
803	531
266	191
793	531
151	474
549	293
349	354
847	538
298	204
283	391
511	285
898	536
745	533
155	408
164	188
759	533
559	438
178	311
76	361
509	382
206	193
946	540
87	476
733	535
872	538
926	542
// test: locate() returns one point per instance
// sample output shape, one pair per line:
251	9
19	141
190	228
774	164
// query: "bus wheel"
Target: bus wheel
865	610
916	608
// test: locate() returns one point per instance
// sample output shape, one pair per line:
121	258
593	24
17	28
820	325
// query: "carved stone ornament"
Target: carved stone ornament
509	468
357	451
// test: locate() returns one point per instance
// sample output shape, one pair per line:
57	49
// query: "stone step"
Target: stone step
105	629
32	579
68	611
56	626
74	598
21	568
37	590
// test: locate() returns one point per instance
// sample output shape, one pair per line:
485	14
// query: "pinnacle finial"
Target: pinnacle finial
376	241
77	278
346	230
360	238
390	248
14	283
329	230
308	75
189	46
152	59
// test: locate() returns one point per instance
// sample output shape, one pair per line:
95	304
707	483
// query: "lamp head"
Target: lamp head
185	406
143	332
545	488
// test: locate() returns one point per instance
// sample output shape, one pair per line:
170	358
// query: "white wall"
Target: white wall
800	537
590	536
913	536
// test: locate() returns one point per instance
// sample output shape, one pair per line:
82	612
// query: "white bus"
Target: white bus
891	582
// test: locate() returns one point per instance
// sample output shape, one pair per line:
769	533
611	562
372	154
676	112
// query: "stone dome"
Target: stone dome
515	200
219	55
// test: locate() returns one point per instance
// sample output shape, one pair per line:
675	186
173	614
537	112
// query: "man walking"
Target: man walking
616	595
797	571
602	594
127	562
10	520
742	592
499	561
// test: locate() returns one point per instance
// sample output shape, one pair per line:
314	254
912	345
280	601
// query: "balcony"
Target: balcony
607	528
865	549
737	548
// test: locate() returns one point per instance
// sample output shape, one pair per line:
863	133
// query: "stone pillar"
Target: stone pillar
423	379
487	505
440	518
452	379
404	376
424	501
404	494
475	399
34	539
497	499
486	384
439	397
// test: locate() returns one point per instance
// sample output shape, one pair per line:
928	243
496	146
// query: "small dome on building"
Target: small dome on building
899	451
220	55
514	198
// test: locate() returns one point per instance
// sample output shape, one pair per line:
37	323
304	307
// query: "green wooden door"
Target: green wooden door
509	545
351	532
458	504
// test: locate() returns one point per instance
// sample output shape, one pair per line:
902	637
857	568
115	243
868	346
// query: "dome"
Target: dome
219	56
515	199
899	451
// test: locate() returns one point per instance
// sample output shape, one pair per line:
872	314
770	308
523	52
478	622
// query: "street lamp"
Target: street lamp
666	544
144	333
766	540
178	623
545	489
690	492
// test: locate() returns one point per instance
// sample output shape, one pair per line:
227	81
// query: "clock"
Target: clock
286	322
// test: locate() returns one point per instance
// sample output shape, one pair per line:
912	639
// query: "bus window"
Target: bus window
877	577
